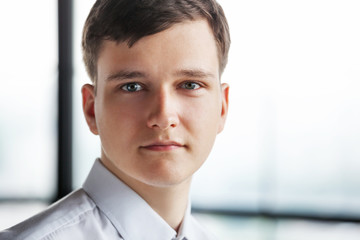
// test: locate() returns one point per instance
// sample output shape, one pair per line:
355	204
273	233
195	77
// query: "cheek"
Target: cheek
117	119
201	126
121	111
202	119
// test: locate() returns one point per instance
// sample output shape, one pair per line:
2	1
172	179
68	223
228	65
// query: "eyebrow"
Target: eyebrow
190	73
194	73
125	74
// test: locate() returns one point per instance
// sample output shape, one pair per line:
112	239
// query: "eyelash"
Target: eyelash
124	87
199	85
139	87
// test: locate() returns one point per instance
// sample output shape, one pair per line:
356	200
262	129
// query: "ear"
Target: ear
88	103
224	105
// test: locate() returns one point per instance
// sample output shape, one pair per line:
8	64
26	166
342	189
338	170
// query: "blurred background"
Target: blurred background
287	165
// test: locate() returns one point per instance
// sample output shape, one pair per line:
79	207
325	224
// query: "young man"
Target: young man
157	104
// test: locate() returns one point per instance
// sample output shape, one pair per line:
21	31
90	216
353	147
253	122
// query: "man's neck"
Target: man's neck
170	202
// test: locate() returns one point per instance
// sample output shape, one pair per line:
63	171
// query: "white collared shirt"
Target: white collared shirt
105	208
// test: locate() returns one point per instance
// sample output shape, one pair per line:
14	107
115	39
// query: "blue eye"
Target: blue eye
132	87
190	85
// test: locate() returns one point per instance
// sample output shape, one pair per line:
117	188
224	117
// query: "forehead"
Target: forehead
185	45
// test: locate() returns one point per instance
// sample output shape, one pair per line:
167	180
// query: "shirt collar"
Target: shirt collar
129	213
190	228
185	227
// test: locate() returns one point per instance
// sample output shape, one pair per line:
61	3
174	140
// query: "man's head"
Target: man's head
130	20
158	104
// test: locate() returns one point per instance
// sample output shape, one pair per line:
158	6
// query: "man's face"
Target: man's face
159	104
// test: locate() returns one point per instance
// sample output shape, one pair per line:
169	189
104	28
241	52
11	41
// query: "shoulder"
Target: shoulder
63	214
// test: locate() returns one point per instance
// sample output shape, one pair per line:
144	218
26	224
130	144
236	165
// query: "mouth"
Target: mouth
163	146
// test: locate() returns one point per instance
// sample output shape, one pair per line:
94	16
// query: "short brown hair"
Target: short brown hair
130	20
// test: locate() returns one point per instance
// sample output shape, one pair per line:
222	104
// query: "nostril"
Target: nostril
163	122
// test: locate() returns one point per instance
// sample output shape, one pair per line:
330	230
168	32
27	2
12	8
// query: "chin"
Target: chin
166	182
166	177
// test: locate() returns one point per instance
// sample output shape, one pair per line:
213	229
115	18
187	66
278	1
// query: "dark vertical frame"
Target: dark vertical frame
65	24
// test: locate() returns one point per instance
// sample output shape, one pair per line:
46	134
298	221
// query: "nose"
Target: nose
163	111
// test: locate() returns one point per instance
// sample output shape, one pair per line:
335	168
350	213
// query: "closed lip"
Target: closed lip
162	145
